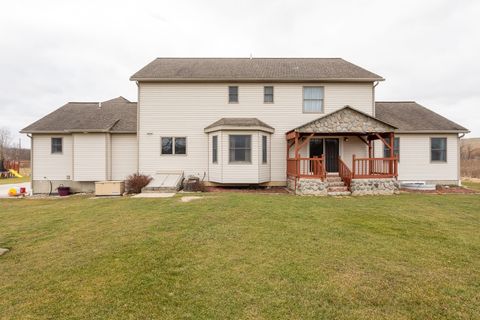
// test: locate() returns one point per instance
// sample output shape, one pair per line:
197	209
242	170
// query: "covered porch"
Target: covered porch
341	143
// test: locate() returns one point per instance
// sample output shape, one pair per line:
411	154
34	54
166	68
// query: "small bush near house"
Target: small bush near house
136	182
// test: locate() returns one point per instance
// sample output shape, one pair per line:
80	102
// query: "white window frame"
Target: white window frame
174	151
322	100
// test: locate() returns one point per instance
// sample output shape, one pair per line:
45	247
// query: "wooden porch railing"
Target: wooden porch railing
344	172
306	168
366	168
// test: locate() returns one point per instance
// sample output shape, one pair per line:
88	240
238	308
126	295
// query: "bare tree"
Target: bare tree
5	139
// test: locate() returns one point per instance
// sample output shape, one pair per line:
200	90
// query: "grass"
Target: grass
14	180
471	184
241	256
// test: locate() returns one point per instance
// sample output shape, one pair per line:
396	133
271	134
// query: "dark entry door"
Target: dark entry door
331	154
316	147
316	150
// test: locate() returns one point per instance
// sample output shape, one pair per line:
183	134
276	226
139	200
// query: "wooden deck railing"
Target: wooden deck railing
344	172
366	168
306	167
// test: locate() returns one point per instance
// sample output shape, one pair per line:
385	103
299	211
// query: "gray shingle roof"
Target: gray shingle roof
410	116
116	115
256	69
239	122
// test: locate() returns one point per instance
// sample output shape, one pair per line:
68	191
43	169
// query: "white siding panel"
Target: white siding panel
124	155
48	166
186	109
239	172
354	146
415	161
89	157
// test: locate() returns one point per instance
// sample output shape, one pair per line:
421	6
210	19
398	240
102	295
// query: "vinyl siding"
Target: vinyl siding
415	161
186	109
124	155
90	157
48	166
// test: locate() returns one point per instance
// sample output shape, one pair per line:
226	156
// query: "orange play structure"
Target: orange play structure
10	169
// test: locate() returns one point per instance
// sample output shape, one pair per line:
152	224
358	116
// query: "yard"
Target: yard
240	255
14	180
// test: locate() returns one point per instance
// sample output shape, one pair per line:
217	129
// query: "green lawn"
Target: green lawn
241	256
14	180
471	185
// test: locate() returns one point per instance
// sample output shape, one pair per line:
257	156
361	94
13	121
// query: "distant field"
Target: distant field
470	157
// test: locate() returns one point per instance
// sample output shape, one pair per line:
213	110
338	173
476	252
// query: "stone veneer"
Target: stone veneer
314	187
345	120
362	187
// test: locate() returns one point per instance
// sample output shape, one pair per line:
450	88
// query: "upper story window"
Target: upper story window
268	94
215	149
57	145
396	148
232	94
438	149
174	145
313	99
240	148
264	149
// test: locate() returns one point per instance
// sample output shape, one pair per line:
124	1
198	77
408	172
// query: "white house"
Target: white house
313	124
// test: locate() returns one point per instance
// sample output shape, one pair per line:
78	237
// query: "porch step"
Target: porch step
339	193
334	179
337	189
336	183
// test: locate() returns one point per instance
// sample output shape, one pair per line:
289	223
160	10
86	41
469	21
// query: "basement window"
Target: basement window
57	145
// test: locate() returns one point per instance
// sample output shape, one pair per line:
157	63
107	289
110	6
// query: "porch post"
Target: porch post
370	156
392	143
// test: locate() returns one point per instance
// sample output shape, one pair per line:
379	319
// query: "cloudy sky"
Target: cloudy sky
53	51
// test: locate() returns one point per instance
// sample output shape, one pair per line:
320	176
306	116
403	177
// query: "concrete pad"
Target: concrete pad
190	198
5	187
153	195
3	251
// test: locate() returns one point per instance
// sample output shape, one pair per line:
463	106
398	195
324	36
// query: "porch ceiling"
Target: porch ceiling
345	121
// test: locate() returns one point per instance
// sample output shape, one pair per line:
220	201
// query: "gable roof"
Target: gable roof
116	115
409	116
255	69
239	124
346	120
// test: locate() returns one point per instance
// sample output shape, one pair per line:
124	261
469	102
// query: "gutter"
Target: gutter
217	80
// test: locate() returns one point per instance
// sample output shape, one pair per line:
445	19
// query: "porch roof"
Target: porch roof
345	121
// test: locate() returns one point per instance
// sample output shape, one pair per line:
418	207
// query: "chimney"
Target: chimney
99	105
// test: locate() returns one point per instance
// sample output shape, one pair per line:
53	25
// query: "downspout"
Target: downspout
375	84
459	159
31	162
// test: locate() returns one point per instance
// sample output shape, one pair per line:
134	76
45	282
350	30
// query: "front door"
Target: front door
331	154
316	147
316	150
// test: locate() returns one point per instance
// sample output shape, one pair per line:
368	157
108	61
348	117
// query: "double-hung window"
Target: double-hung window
313	99
57	145
240	148
268	94
215	149
396	148
232	94
264	149
438	149
174	145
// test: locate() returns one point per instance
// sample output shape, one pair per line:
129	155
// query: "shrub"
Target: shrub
135	182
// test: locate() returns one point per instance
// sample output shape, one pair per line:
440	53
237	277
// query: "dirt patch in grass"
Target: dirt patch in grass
281	190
